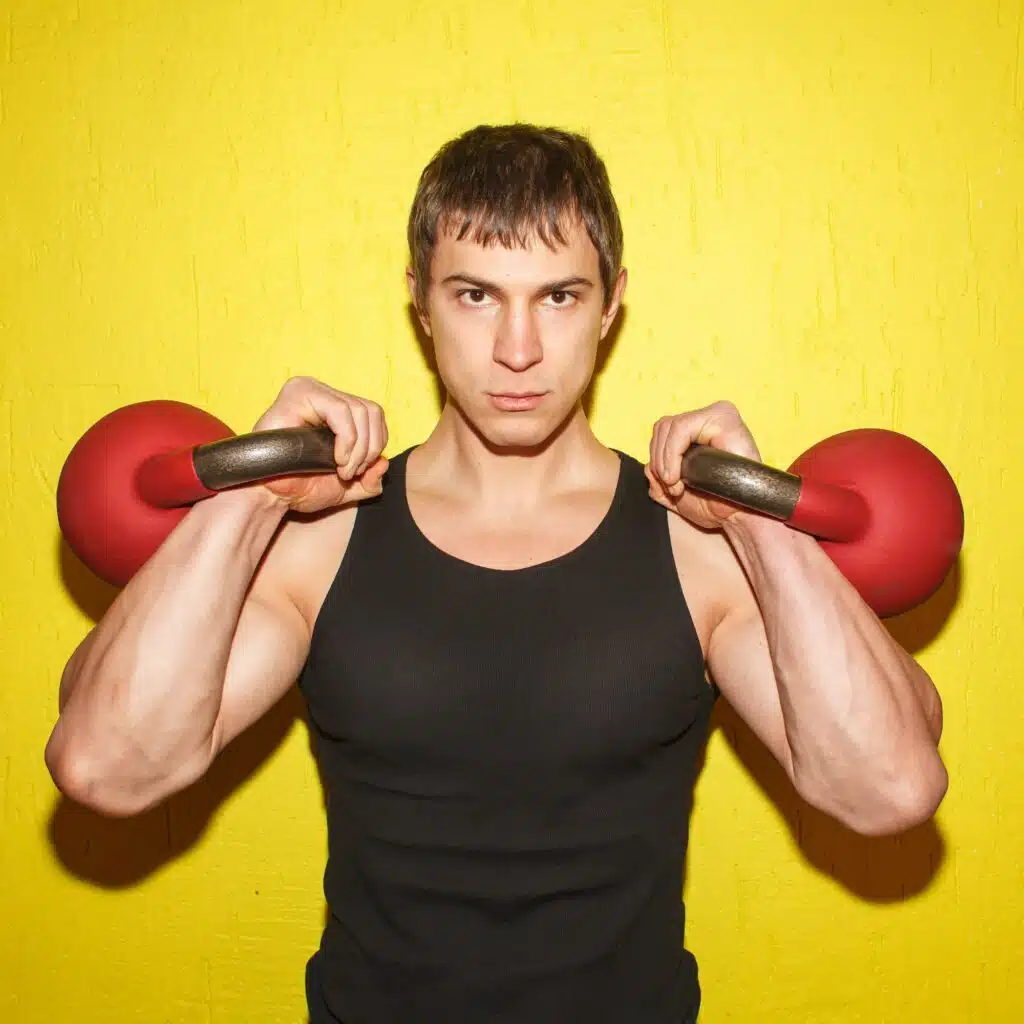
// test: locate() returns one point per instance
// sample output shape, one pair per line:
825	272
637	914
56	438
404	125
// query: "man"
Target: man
505	637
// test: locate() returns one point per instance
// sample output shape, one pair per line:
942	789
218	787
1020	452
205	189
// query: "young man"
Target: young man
504	636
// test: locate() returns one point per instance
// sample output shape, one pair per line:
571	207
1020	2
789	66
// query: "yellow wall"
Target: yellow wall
822	206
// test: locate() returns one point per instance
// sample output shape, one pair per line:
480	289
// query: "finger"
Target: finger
357	454
376	435
669	468
369	484
662	499
652	454
654	488
338	417
371	479
679	438
290	403
658	446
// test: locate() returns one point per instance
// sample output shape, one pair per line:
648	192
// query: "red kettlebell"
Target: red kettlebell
883	507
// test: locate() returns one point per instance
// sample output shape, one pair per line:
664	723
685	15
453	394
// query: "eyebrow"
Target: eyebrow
489	286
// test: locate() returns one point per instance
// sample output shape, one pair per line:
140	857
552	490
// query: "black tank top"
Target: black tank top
508	760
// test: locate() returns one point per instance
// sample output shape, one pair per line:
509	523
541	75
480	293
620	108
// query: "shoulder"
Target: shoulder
710	574
307	553
304	558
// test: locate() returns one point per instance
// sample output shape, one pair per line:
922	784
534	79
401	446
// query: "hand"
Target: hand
719	426
360	435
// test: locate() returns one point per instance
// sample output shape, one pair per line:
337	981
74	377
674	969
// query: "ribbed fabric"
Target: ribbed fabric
509	759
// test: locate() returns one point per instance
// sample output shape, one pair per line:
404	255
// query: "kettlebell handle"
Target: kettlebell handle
130	478
175	478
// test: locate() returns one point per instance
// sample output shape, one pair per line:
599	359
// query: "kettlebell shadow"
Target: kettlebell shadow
116	853
884	869
920	627
92	595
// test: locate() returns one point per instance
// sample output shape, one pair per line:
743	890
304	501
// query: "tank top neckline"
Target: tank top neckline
584	547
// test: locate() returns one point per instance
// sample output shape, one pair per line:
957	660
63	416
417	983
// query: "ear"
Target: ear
410	280
611	310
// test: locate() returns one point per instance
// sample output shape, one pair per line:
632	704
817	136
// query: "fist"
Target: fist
719	426
360	435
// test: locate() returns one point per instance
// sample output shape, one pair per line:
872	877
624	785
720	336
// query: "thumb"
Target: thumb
369	485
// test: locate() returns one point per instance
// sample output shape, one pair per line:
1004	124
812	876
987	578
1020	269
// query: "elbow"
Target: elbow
93	781
910	800
921	795
901	800
78	776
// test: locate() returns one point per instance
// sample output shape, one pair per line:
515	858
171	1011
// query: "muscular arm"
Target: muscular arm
851	716
199	644
216	625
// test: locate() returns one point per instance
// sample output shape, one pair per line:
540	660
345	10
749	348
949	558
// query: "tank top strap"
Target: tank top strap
384	514
641	523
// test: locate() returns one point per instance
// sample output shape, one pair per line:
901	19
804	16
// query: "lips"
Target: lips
516	401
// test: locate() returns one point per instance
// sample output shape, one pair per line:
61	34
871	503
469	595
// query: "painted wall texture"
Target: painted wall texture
822	205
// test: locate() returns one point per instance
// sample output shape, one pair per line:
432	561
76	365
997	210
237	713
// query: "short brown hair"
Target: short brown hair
511	183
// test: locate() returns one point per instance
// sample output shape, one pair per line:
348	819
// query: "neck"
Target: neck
457	459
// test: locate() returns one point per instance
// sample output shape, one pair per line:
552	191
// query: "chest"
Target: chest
578	667
509	540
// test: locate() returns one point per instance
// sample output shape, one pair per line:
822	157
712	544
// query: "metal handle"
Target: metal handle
825	510
248	458
184	475
176	478
741	481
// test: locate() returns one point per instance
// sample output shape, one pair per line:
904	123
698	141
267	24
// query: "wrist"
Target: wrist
761	538
753	528
253	501
240	520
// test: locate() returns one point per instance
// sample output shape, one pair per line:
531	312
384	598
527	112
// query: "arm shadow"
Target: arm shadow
115	853
884	869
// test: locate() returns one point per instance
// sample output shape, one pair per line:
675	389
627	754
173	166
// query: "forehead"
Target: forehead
535	262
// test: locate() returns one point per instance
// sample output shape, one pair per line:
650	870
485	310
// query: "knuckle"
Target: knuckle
297	383
345	429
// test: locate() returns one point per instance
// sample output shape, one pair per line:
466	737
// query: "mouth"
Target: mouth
516	401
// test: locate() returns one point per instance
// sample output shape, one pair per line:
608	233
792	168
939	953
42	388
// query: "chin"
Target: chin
517	430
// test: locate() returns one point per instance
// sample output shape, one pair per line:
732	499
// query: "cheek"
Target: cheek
572	352
461	356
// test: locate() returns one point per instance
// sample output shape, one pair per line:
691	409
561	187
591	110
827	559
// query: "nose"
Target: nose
517	344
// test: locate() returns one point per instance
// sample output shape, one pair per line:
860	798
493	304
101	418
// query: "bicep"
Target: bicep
269	649
728	620
272	639
740	665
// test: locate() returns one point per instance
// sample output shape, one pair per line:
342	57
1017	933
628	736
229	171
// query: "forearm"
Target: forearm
140	698
861	718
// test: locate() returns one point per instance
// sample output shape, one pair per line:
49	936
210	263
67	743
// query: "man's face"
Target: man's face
516	332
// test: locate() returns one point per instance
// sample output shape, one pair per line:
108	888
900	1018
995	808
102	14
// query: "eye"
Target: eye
561	297
474	296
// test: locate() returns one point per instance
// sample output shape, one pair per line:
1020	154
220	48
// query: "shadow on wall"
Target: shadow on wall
114	853
876	869
119	852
